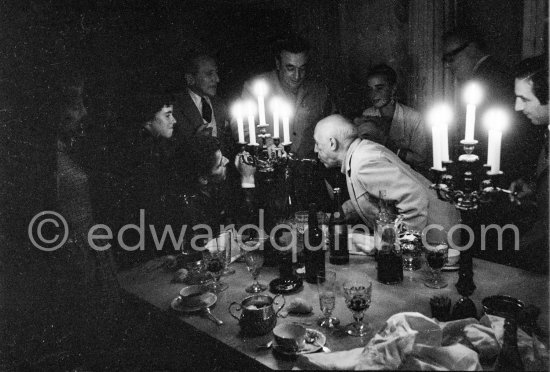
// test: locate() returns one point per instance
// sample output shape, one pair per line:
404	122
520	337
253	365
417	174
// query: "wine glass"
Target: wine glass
254	260
224	241
215	264
326	286
436	256
357	292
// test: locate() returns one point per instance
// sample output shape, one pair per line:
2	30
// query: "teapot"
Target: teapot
258	317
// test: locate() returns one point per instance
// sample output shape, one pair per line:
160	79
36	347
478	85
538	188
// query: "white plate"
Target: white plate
178	305
308	347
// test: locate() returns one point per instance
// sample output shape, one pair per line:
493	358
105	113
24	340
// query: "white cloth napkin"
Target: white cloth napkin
361	244
412	341
487	338
409	341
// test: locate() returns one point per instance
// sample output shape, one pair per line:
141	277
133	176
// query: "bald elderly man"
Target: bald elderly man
370	167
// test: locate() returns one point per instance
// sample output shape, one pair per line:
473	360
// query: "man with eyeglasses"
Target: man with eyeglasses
464	53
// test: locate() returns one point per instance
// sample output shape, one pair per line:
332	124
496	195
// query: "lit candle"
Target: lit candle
251	124
444	142
439	118
495	119
472	96
285	114
238	114
274	106
436	147
260	89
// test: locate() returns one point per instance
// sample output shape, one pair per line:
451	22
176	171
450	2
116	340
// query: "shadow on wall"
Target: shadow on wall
375	32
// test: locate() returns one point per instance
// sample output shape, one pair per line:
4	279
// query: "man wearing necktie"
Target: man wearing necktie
197	109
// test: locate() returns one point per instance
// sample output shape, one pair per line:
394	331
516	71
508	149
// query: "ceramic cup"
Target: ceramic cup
290	337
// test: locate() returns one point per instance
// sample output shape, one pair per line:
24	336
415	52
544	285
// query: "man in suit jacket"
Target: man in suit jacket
466	56
309	99
197	109
369	168
531	89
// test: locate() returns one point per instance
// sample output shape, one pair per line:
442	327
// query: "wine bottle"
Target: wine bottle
389	257
314	253
509	358
338	232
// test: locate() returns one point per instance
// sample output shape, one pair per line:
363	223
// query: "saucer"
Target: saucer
450	268
284	286
208	300
308	347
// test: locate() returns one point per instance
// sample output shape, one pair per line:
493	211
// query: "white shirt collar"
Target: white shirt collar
197	99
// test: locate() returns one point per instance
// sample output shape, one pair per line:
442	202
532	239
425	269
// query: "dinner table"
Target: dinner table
154	283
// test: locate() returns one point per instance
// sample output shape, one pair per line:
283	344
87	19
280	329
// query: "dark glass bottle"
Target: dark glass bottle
313	247
389	257
509	358
338	232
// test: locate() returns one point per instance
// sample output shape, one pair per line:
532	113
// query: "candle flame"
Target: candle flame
440	114
250	107
473	93
496	118
275	103
237	110
260	88
285	109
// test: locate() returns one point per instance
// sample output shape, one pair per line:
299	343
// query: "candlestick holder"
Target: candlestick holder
263	135
460	185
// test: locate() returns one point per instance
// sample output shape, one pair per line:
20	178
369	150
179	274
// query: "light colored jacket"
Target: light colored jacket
408	131
370	167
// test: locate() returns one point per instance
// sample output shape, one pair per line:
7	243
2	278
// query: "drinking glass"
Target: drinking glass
215	264
357	292
326	286
224	241
436	257
254	260
300	222
301	218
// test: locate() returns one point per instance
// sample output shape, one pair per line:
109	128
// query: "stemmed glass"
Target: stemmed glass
357	292
224	241
436	256
254	260
215	264
326	286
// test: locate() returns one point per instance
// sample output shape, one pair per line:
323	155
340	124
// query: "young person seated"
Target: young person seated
141	171
209	188
396	126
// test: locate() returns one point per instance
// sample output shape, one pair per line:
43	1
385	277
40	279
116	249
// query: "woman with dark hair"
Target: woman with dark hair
141	171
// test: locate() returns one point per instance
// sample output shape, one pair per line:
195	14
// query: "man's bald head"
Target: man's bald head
333	136
338	127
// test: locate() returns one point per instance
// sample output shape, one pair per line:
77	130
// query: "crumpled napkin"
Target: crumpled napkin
361	244
409	341
412	341
486	338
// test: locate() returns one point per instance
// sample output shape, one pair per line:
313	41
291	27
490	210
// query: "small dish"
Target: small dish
503	306
450	268
309	347
207	300
285	286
